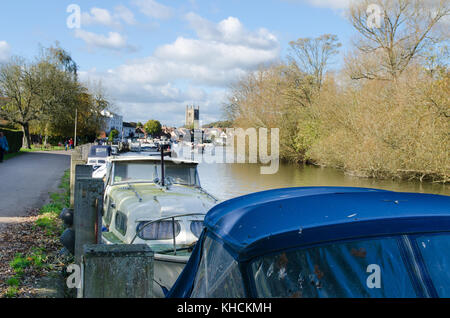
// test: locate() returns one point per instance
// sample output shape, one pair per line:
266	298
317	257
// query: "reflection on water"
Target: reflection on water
226	181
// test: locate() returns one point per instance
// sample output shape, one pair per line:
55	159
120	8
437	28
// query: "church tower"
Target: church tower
193	116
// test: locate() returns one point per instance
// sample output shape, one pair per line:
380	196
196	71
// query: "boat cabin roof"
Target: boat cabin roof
258	223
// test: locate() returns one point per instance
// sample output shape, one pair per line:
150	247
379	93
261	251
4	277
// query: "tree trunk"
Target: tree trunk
26	136
45	135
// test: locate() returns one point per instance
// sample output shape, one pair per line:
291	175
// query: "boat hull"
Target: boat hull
166	269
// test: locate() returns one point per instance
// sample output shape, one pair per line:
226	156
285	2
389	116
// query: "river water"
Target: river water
226	181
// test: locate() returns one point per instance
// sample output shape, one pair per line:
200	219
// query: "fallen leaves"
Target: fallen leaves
29	240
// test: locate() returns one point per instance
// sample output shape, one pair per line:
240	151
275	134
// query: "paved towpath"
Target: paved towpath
27	180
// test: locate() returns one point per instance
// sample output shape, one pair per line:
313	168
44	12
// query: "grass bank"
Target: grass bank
42	148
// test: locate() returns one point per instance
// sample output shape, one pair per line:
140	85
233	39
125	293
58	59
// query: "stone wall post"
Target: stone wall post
88	207
117	271
79	157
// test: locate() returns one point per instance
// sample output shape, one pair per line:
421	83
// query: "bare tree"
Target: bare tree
312	56
406	28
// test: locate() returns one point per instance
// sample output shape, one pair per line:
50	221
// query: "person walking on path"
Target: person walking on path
3	146
71	143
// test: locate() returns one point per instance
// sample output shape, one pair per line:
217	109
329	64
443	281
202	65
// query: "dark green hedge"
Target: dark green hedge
14	138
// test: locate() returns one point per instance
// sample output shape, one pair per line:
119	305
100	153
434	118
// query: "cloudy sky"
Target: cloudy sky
154	57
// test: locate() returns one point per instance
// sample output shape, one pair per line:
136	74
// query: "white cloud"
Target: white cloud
154	9
125	14
99	16
230	31
114	40
5	51
189	70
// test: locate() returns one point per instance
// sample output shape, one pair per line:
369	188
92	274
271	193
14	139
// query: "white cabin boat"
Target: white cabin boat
97	158
140	209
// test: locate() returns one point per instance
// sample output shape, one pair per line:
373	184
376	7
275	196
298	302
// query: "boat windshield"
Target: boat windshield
134	172
100	151
180	174
360	269
150	171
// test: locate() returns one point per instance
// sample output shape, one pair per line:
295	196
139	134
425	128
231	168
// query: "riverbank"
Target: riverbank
31	263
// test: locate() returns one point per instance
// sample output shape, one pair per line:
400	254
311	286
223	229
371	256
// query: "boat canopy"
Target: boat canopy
100	151
259	223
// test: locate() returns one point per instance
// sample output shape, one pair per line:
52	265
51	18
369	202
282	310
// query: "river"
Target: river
226	181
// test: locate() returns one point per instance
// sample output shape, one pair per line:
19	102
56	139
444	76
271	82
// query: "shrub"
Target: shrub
14	138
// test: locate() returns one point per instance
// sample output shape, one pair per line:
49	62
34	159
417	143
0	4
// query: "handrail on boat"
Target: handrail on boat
173	227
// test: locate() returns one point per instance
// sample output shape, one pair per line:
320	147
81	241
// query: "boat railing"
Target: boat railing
173	217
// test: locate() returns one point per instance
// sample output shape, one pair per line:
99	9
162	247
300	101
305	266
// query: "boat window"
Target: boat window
121	223
180	174
359	269
109	211
99	152
434	250
101	162
197	228
218	275
93	161
126	172
162	230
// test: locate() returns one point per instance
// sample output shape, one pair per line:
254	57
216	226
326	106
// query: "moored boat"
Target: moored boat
162	207
97	158
322	242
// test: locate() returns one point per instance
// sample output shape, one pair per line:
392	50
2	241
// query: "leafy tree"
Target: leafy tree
59	92
44	96
113	135
20	83
153	128
63	96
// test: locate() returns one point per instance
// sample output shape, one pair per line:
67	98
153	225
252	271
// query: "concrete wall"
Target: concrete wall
117	271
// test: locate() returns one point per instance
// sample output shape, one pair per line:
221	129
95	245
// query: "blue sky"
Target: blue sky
153	57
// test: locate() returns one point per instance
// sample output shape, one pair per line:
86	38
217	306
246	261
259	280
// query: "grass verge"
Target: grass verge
32	247
42	148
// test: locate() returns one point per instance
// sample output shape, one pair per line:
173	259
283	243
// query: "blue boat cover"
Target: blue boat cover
257	224
245	220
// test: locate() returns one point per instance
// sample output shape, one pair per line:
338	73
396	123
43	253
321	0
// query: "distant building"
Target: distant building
192	116
140	133
129	130
112	121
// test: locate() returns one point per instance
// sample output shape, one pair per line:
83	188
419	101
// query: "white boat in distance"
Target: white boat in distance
98	155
